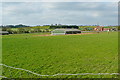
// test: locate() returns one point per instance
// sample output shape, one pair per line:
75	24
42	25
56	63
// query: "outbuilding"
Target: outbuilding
4	32
65	31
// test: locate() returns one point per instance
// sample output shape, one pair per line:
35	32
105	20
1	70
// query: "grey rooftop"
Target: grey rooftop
67	29
3	31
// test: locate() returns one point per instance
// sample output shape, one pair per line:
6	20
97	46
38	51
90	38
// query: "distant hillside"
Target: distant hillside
14	26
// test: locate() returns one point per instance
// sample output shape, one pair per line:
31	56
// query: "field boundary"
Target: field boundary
66	34
58	73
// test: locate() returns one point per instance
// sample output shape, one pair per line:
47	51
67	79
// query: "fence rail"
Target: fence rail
58	73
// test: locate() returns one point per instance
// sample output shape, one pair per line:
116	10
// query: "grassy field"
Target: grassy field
68	54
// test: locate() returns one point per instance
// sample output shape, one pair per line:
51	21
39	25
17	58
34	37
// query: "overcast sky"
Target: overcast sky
39	13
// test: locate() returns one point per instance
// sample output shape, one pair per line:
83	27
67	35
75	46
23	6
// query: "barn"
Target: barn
65	31
4	32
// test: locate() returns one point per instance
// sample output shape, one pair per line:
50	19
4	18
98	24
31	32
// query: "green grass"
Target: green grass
90	53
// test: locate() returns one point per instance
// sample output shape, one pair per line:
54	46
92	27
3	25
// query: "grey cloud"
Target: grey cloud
34	13
85	6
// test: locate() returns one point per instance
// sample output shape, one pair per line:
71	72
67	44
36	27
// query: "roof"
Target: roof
4	32
67	29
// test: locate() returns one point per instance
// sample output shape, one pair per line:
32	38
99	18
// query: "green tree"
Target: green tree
10	30
21	30
37	30
4	29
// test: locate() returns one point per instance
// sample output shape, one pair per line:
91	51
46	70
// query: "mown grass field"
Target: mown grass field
69	54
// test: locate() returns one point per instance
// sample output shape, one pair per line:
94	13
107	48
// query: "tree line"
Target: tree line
17	29
24	30
13	26
64	26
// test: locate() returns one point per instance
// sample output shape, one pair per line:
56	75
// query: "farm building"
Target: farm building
65	31
4	32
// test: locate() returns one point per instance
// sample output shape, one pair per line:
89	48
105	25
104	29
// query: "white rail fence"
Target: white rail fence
56	74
